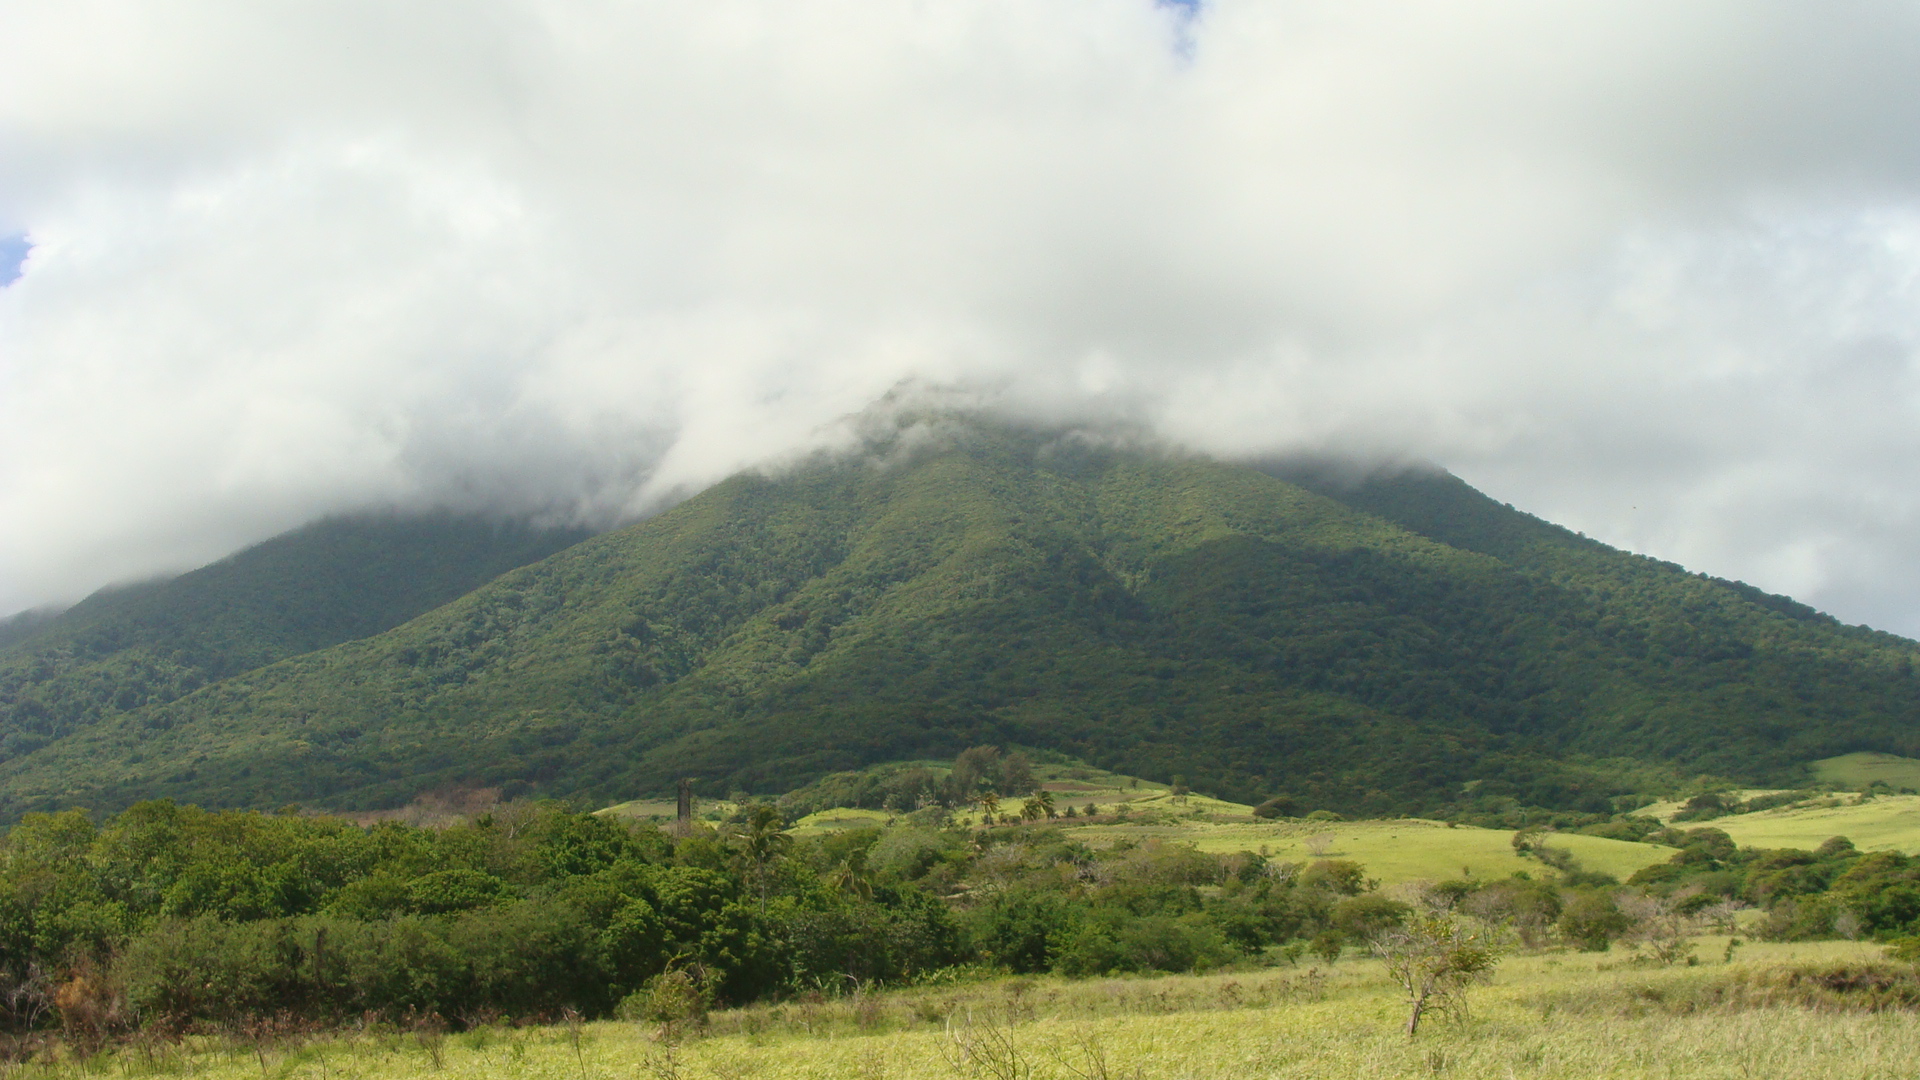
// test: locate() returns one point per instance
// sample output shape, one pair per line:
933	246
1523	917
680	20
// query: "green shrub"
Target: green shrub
1109	941
458	889
671	997
1341	876
1358	918
1592	920
1021	931
1279	806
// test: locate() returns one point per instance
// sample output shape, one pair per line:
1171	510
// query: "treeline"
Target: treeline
1714	804
171	918
908	787
1834	891
179	918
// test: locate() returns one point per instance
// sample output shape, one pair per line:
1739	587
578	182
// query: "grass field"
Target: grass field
1405	849
1399	850
1410	849
1556	1015
1857	771
1887	823
1394	851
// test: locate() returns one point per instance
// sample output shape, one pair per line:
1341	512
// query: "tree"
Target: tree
1038	805
1591	920
975	768
762	840
1436	956
852	875
1661	923
989	804
1016	774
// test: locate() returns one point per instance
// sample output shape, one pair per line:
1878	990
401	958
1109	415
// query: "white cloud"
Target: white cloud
1647	269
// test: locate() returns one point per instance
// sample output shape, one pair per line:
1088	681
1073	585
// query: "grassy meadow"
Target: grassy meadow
1544	1015
1881	822
1885	823
1865	769
1404	849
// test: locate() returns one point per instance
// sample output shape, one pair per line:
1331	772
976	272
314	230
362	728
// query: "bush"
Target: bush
1111	941
1341	876
445	891
1359	918
529	957
1021	931
1592	920
1280	806
671	997
1706	807
866	942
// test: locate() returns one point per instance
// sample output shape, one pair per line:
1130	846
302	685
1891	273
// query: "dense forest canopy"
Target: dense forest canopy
336	580
1374	645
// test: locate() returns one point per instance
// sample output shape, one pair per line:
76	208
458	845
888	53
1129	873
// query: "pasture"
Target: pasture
1398	850
1859	771
1884	823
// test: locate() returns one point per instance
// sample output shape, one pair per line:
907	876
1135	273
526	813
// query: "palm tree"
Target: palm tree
852	875
989	804
763	840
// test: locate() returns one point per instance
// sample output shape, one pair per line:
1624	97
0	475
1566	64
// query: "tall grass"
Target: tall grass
1546	1016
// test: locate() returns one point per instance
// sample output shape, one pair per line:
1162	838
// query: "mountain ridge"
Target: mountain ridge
330	581
1162	613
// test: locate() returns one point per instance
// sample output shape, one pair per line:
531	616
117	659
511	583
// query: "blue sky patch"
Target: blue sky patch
13	252
1185	13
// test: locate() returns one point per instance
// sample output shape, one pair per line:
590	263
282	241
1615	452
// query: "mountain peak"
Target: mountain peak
1390	642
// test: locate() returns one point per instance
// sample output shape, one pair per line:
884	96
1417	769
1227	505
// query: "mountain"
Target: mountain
1394	644
132	647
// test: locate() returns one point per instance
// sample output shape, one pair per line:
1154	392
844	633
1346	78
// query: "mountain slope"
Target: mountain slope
335	580
1762	659
1158	614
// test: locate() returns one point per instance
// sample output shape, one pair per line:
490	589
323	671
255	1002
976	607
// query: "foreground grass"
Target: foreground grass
1555	1015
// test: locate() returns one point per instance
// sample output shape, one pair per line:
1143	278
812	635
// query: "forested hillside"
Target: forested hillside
1400	645
335	580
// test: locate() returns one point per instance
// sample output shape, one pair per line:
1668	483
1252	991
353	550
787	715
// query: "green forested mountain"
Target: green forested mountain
1395	645
127	648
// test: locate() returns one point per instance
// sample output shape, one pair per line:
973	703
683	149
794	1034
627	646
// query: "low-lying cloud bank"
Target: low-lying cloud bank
1649	270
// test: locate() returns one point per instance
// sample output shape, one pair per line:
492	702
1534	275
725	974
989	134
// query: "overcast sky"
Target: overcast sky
1650	270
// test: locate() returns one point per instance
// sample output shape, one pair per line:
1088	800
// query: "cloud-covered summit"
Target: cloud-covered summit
1650	270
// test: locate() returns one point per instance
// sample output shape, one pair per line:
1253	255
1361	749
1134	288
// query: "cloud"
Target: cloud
1649	271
